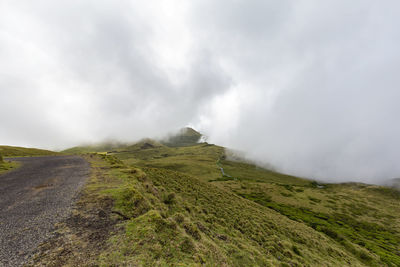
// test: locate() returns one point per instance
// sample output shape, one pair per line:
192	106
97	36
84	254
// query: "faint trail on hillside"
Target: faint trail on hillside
33	198
222	169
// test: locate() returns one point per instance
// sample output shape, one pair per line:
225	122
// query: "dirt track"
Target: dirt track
32	199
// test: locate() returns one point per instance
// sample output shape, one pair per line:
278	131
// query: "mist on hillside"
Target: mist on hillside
310	88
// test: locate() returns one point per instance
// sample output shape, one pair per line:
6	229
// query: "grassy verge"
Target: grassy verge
6	166
81	238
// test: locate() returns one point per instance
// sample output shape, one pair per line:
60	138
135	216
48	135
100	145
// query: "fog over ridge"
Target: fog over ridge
309	87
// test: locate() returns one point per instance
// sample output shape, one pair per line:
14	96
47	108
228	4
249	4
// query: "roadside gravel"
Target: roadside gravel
33	198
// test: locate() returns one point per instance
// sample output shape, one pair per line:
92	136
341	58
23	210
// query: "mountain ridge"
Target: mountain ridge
180	208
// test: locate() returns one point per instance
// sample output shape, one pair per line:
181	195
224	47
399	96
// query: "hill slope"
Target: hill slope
13	151
102	147
190	205
185	137
358	218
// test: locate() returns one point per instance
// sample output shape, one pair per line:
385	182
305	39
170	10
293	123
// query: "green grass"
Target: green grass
13	151
250	172
6	166
344	229
358	217
199	160
183	211
176	219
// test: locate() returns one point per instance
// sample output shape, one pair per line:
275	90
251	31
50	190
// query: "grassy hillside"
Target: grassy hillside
189	205
102	147
168	218
13	151
362	219
185	137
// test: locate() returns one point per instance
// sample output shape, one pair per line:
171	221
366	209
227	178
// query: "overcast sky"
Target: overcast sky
310	87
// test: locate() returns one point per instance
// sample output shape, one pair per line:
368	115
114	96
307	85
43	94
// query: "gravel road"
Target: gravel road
32	199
